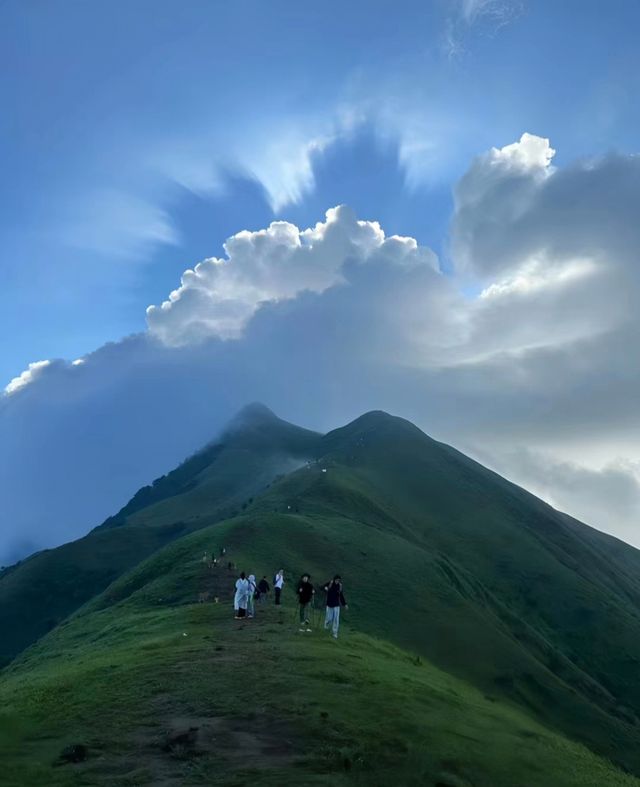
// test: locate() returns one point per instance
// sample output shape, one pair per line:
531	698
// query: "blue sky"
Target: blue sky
138	138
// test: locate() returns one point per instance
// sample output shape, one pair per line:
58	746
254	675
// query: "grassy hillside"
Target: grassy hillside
508	595
470	600
255	449
40	592
133	673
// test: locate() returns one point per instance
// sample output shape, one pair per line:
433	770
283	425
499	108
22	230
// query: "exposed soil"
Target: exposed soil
167	751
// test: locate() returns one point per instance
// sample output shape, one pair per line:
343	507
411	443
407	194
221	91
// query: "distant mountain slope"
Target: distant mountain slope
215	483
255	448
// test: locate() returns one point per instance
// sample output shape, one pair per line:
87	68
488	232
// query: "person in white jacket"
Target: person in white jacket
278	584
251	597
241	598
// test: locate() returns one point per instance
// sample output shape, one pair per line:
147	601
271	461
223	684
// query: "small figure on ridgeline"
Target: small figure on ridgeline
241	597
251	597
305	591
205	557
263	590
278	584
223	551
335	600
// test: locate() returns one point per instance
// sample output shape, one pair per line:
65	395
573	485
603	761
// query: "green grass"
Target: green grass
310	710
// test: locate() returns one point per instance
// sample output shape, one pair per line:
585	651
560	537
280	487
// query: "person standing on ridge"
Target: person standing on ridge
241	598
263	589
335	600
305	593
278	584
251	597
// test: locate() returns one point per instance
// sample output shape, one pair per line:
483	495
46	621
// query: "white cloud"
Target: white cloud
220	295
485	16
498	11
530	153
539	275
115	223
512	208
285	167
279	155
28	376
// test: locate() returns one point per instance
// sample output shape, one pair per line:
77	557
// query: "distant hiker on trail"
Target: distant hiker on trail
278	584
335	600
251	597
263	590
223	551
305	593
241	598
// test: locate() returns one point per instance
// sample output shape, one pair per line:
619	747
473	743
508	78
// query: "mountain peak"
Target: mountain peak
376	419
373	416
252	414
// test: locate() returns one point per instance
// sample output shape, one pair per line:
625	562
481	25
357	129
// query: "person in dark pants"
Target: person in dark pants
305	592
335	600
278	584
263	590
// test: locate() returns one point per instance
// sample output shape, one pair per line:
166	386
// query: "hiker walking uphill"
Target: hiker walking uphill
305	592
278	584
335	600
241	598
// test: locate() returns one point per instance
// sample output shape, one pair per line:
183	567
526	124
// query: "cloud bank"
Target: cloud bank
524	356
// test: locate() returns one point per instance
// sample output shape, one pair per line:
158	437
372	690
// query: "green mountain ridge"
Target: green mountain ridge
44	589
519	610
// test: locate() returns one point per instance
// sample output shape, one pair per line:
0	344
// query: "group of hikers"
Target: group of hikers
248	592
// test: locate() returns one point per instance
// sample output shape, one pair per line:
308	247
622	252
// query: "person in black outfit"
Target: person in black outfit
335	600
263	589
305	592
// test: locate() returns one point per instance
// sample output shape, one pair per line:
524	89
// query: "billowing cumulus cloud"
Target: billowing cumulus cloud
524	356
220	295
513	207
